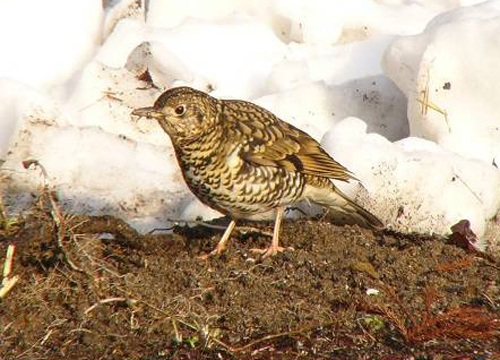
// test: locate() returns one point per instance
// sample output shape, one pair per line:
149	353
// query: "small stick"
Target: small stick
46	337
57	214
427	104
469	188
7	285
7	282
7	265
241	229
105	301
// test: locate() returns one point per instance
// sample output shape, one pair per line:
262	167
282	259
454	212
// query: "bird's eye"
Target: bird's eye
180	110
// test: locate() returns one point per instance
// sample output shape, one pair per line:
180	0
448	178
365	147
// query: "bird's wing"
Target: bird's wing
270	141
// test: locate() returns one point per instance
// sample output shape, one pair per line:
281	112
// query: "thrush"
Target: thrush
245	162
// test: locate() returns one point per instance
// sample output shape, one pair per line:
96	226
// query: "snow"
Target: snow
453	61
428	187
402	92
45	42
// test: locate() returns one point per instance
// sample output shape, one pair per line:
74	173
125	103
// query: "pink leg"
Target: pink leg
221	245
274	248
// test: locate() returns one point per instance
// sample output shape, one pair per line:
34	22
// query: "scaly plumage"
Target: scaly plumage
243	161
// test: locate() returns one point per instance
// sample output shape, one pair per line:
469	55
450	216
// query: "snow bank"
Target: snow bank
413	184
450	76
46	42
313	63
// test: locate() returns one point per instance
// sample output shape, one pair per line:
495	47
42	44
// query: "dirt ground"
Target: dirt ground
92	288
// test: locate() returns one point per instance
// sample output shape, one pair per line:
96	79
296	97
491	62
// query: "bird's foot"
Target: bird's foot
215	252
221	245
207	256
271	250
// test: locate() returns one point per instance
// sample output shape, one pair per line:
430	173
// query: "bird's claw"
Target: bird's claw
271	251
206	256
215	252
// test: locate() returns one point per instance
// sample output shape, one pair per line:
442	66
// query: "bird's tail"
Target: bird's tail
343	209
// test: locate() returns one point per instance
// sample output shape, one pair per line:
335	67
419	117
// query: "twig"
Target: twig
106	94
187	222
7	285
206	334
275	336
366	332
427	104
3	214
468	187
56	213
178	335
8	282
106	301
46	337
240	229
7	265
250	229
91	259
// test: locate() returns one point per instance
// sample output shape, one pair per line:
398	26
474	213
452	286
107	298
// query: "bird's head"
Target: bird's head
184	113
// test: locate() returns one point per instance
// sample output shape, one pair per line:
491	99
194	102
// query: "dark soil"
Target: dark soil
92	288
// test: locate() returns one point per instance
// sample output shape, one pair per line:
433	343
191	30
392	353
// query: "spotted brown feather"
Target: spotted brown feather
243	161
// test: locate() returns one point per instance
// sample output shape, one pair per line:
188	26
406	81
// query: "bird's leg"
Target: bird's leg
274	248
221	245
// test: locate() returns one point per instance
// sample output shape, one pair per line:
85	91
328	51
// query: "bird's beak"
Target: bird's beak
148	112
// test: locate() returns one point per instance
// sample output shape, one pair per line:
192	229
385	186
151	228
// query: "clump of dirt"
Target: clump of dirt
92	287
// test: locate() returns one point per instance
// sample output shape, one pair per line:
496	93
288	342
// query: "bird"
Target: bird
243	161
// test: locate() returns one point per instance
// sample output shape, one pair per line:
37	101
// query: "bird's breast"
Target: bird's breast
231	185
